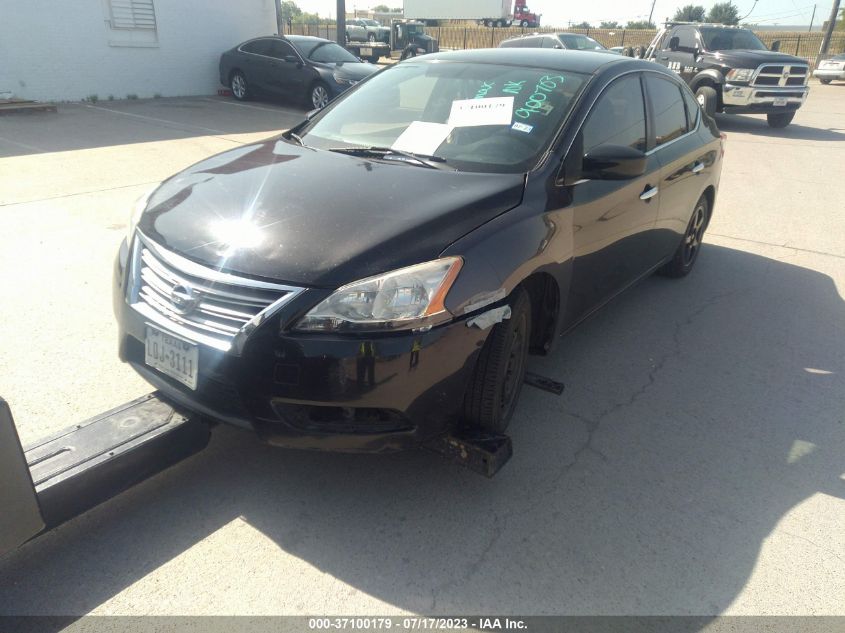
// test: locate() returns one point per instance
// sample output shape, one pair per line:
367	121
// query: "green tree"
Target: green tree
582	25
690	13
640	24
381	8
288	10
723	13
840	24
610	25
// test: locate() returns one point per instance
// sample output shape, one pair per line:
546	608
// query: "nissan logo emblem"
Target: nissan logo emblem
184	298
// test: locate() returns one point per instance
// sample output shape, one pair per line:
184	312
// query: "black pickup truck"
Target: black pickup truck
730	70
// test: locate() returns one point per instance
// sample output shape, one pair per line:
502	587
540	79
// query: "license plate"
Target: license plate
172	356
366	52
780	101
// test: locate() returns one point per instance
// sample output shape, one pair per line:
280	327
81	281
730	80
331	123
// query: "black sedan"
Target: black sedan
310	68
500	197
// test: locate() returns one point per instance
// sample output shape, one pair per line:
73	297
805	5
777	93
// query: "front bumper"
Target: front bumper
829	73
385	392
743	98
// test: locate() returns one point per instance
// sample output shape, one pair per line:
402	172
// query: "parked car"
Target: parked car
830	69
731	70
375	31
311	68
355	33
565	41
500	198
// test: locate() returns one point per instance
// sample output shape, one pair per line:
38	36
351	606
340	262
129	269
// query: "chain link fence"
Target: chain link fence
804	45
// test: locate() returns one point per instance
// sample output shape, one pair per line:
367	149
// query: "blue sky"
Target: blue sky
559	12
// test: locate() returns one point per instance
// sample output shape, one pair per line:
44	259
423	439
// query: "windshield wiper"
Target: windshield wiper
426	160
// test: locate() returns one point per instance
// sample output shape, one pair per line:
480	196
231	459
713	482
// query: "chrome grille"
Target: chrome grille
202	304
781	75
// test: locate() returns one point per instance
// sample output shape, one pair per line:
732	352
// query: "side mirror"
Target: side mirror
674	42
291	59
613	162
776	46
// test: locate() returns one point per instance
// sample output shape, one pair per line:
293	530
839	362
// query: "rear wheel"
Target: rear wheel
239	86
318	96
825	81
780	119
708	99
687	252
524	23
499	372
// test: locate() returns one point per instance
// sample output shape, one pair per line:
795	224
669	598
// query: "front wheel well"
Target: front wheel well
710	82
544	293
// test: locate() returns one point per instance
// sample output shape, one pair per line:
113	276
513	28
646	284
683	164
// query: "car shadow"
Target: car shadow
752	125
697	414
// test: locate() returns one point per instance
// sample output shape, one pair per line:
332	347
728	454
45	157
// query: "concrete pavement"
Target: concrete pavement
694	464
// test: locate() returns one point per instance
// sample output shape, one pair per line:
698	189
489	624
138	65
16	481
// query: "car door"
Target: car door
257	64
287	67
612	219
672	55
684	158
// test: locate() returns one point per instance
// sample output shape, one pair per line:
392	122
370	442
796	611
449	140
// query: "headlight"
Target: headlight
408	298
135	216
740	74
344	81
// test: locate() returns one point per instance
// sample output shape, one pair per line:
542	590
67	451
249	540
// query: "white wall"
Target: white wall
66	50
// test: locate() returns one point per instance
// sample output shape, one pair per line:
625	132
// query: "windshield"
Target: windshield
581	43
716	39
325	52
476	117
371	23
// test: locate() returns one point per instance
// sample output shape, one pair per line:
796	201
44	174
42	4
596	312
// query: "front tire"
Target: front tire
496	382
407	53
780	119
687	252
239	86
825	81
708	99
524	24
318	95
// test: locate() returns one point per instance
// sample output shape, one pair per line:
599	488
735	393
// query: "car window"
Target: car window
686	39
551	42
618	117
721	39
580	42
258	47
693	108
279	49
331	53
670	117
478	117
517	43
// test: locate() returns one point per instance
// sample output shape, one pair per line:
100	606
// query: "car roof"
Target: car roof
586	62
303	38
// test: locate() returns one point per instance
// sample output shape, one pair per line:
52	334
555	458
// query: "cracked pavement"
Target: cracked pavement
693	464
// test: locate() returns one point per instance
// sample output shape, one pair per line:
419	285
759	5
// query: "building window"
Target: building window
132	14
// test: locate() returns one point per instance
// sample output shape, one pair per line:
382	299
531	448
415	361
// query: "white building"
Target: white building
68	50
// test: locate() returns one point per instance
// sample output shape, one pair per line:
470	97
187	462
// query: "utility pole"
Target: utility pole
831	24
812	18
651	13
341	22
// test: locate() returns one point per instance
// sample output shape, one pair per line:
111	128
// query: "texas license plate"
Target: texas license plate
366	52
172	356
780	101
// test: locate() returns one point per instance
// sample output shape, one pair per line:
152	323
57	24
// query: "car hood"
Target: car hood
309	217
742	58
352	70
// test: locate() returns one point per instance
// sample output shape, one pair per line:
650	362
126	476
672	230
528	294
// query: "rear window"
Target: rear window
670	115
580	42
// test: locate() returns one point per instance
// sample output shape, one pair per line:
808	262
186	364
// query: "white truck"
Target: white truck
487	12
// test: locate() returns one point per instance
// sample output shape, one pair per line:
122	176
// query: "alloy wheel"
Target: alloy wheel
239	86
319	96
694	235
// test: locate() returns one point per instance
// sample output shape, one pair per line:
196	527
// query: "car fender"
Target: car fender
710	75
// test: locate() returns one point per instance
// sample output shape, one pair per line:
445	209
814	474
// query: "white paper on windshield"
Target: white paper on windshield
422	137
472	112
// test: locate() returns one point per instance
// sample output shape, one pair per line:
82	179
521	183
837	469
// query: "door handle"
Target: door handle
664	57
648	193
697	167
